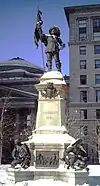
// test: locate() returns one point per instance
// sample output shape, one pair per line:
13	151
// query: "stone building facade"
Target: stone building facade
84	53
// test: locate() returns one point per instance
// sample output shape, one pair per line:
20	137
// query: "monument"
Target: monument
50	130
50	138
50	144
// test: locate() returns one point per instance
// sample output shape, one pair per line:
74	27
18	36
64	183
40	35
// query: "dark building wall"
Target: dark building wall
18	101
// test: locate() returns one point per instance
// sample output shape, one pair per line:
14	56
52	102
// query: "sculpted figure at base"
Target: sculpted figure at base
52	41
75	156
21	155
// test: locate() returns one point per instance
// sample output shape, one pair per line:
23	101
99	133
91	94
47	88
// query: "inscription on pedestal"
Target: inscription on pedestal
49	113
47	159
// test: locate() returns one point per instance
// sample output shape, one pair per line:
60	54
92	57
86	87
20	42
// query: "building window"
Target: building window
96	29
82	64
97	113
83	96
97	78
83	79
83	114
96	36
97	95
82	29
97	63
97	49
82	50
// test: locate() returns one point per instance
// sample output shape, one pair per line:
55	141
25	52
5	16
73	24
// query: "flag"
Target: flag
39	22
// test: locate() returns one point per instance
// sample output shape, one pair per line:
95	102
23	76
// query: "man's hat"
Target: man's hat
54	30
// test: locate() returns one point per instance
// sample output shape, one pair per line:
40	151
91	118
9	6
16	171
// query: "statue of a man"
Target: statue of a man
51	41
76	155
21	155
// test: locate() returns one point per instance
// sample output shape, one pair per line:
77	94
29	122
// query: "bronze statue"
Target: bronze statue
21	155
75	156
51	41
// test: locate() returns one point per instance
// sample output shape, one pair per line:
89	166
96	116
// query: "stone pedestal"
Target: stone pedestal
76	177
51	102
70	177
15	176
50	135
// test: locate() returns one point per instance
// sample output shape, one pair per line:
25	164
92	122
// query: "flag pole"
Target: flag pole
42	53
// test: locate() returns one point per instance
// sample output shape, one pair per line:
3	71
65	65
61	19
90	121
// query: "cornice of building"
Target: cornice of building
84	105
80	9
83	42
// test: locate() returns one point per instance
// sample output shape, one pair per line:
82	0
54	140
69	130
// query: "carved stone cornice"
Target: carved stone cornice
85	105
81	9
83	42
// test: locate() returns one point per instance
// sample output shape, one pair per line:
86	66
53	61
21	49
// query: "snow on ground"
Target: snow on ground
94	171
44	182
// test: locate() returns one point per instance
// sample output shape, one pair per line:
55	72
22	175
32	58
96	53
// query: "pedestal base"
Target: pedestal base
70	177
76	177
48	149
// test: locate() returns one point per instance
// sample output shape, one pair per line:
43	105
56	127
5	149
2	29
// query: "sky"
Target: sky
17	23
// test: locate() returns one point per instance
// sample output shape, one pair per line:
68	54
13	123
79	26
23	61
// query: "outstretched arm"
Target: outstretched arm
42	36
61	43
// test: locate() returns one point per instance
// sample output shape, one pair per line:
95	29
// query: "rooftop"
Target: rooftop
19	62
80	8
